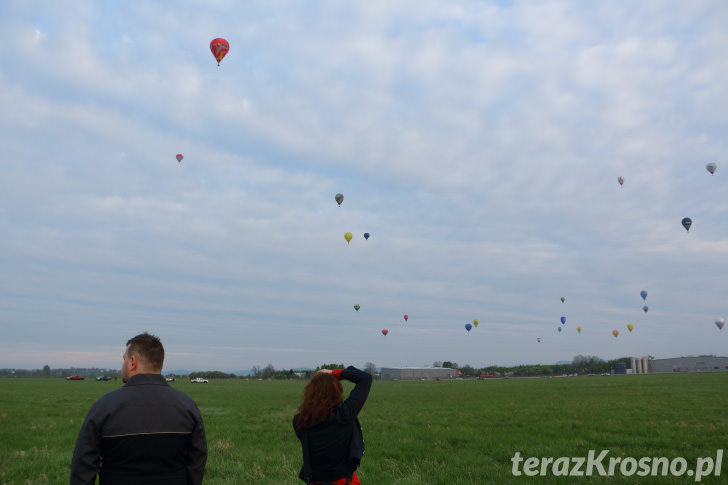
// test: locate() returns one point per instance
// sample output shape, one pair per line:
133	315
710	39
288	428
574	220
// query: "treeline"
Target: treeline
580	365
46	371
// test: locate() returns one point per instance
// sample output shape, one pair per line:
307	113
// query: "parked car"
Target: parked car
74	378
169	379
198	380
104	378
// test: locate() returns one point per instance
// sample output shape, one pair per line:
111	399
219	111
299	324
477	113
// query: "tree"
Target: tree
269	372
47	370
370	368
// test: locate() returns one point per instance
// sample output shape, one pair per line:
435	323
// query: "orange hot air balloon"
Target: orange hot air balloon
385	332
615	333
578	329
219	48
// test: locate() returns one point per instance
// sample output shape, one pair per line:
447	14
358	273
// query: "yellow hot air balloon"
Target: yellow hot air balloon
578	329
348	237
563	299
630	327
476	322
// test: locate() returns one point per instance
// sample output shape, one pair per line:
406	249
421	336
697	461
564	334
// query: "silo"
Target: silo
645	364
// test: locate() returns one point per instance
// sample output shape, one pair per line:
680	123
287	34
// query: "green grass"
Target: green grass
448	432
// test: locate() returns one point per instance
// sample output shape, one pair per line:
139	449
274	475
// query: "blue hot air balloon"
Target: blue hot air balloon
468	326
366	235
644	308
563	320
643	294
559	329
687	222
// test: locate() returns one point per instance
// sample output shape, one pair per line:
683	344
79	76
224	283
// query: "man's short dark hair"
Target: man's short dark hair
147	348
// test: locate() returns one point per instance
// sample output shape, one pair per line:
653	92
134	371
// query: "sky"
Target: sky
478	143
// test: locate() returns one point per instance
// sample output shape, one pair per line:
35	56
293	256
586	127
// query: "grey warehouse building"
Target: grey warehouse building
415	374
702	363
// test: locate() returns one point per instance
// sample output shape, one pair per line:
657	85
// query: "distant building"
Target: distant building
702	363
416	374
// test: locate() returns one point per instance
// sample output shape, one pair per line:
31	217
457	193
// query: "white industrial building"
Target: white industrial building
702	363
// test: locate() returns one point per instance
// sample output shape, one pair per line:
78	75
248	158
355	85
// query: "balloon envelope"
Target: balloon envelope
219	48
476	322
687	222
630	327
468	326
719	323
578	329
179	157
620	180
643	294
347	236
711	167
538	339
339	198
366	235
615	333
563	299
385	331
644	308
559	329
357	307
406	317
563	320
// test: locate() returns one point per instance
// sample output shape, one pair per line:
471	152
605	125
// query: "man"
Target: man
143	432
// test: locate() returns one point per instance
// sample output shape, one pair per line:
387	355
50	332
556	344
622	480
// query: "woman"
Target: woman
328	426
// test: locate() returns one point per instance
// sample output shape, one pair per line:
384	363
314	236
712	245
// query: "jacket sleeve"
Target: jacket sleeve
86	455
197	452
358	396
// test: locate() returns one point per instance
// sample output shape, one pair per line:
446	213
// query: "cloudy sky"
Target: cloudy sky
478	143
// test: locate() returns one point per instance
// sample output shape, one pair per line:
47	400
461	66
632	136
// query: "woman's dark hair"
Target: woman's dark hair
148	348
320	397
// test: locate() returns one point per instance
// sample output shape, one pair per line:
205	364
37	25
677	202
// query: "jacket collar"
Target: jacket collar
147	379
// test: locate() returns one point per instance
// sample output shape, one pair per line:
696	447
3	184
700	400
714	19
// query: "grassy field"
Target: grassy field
448	432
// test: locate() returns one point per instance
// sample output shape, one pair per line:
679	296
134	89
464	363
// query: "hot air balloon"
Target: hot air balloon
711	167
339	198
357	307
719	323
615	333
644	308
347	236
538	339
559	329
620	180
563	299
630	327
687	222
366	235
219	48
476	322
578	329
468	326
385	332
563	320
643	294
406	317
179	157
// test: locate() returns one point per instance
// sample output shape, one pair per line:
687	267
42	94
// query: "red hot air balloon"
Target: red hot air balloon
406	317
620	180
179	157
219	48
385	332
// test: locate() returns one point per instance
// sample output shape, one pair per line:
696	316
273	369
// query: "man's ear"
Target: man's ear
133	362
